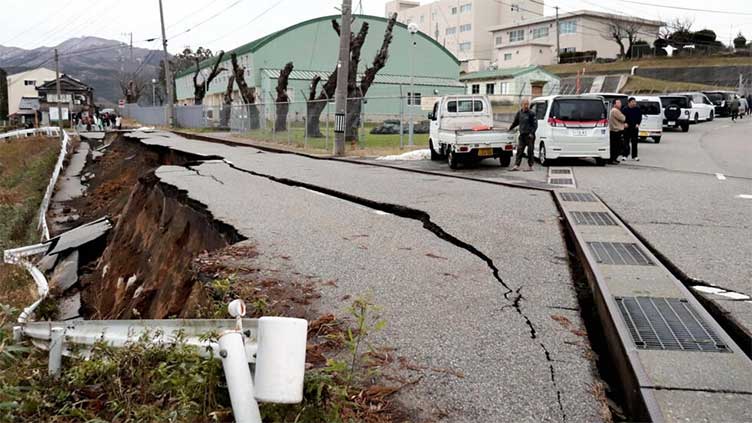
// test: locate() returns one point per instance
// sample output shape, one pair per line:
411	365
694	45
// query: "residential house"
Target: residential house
75	97
462	25
509	84
533	42
24	84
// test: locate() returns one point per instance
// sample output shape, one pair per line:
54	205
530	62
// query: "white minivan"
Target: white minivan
652	118
571	126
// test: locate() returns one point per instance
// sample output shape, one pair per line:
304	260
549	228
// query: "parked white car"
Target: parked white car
571	126
701	108
461	130
652	118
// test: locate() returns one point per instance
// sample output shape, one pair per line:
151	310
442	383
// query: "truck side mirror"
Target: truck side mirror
431	116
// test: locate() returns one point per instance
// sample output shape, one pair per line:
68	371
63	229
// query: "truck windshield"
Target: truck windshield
578	110
649	107
681	102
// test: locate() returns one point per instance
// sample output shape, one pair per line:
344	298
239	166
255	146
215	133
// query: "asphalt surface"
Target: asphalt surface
443	305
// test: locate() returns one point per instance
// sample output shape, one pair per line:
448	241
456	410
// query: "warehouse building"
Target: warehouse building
312	46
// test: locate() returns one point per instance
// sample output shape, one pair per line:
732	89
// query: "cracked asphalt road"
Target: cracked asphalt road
424	249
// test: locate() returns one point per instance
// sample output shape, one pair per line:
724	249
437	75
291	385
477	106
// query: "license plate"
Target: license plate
644	133
579	132
485	152
671	122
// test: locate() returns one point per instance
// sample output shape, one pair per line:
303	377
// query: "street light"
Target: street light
154	92
412	27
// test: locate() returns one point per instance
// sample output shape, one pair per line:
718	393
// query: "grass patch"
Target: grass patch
639	84
653	62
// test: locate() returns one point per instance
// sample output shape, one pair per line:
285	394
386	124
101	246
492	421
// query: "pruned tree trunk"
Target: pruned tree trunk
282	101
246	93
316	104
226	112
199	89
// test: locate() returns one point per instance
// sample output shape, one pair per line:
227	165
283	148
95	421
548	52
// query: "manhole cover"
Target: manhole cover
560	181
668	324
622	253
578	196
593	218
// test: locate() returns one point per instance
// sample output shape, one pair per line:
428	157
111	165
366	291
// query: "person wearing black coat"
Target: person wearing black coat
633	116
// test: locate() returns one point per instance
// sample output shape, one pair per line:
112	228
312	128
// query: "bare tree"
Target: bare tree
132	86
618	30
247	93
282	102
227	103
199	89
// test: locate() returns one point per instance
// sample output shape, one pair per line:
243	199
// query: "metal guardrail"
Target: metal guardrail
24	133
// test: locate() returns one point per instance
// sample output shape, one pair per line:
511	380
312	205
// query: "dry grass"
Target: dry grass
639	84
662	62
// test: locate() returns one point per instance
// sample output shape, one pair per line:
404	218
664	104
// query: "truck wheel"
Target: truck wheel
505	159
685	127
434	154
711	117
542	155
657	140
452	160
697	118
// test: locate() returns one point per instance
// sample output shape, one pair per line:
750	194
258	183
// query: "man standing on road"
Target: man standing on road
616	121
749	104
734	108
528	123
633	116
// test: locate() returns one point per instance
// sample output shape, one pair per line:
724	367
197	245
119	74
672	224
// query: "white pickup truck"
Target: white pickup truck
461	130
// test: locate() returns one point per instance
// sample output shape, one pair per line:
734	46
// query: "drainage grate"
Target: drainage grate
578	196
593	218
561	181
560	171
668	324
625	253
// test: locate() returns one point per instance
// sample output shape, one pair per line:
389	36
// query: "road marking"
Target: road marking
745	196
720	176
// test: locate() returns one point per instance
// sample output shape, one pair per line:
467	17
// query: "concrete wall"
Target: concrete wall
17	88
525	55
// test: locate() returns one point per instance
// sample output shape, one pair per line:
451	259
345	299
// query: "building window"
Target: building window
433	16
507	56
422	18
465	46
517	35
515	7
504	88
540	32
475	89
466	7
490	88
413	99
30	82
499	40
454	11
466	27
568	50
568	27
64	98
451	30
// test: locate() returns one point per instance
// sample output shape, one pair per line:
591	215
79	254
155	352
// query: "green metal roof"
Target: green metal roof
307	75
503	73
260	42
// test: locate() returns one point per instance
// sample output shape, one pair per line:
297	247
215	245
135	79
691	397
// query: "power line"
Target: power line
233	4
264	12
200	9
691	9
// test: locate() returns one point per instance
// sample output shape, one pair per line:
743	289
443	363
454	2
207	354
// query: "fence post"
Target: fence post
56	351
305	122
238	376
402	117
326	143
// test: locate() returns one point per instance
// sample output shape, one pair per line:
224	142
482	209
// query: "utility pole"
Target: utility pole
168	72
343	67
558	50
131	34
57	88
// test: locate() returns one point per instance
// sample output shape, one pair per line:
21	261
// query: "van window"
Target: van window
681	102
540	110
578	110
649	107
464	106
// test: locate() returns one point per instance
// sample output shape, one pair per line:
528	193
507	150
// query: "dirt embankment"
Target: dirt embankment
144	270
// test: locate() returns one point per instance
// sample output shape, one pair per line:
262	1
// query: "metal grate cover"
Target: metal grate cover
561	181
623	253
560	171
577	196
593	218
668	324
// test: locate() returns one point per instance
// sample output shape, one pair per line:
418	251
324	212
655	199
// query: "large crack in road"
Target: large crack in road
438	231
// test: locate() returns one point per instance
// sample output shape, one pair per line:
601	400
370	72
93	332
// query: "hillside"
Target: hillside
95	61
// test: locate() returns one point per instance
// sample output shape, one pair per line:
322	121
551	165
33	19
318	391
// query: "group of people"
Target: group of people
97	121
624	127
735	107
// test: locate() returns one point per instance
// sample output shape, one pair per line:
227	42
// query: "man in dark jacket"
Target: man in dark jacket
528	123
633	116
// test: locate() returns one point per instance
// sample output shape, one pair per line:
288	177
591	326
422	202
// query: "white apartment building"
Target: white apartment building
24	84
462	26
534	41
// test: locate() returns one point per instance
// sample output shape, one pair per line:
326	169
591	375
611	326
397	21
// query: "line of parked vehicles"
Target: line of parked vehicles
461	127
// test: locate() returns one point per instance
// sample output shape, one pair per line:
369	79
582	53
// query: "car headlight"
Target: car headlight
686	112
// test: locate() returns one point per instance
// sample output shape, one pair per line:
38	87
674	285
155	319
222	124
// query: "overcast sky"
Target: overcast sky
50	22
